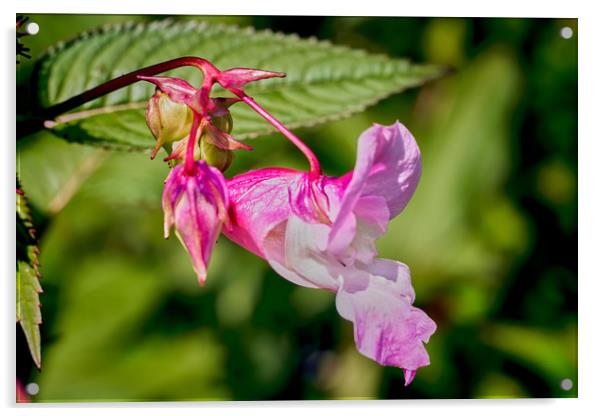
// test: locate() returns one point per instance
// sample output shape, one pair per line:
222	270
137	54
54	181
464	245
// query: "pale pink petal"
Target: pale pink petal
355	239
340	240
388	166
396	164
387	328
395	272
409	376
304	254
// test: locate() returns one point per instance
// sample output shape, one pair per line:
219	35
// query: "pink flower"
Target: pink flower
319	232
314	230
197	205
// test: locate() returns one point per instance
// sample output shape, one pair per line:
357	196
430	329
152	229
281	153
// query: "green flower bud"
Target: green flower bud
168	121
214	156
224	122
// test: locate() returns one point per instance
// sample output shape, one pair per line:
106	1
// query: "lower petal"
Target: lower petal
387	328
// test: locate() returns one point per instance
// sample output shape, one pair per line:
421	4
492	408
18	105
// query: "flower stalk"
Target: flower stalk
190	166
314	164
233	80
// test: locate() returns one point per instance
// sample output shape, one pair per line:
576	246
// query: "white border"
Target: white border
590	201
507	8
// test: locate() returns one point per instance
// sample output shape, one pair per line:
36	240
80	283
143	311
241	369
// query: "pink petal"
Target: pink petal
218	106
387	328
388	166
223	140
396	164
259	202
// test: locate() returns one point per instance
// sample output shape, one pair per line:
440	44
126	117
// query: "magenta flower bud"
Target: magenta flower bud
197	205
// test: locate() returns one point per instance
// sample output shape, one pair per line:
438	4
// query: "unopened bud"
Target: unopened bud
197	205
216	157
213	155
223	122
168	121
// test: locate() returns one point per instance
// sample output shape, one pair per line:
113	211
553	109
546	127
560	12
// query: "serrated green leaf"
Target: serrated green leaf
324	82
28	283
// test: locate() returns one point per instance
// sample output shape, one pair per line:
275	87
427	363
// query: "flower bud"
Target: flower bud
168	121
219	158
223	121
197	205
216	157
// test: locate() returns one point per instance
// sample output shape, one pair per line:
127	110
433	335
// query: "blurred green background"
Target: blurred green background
490	237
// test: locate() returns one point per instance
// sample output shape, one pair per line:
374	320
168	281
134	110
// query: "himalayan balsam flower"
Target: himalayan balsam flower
319	232
197	205
315	231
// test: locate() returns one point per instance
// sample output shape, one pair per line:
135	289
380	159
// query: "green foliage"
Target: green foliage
324	82
28	275
464	140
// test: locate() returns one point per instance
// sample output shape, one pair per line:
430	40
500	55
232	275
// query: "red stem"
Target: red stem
125	80
189	161
314	164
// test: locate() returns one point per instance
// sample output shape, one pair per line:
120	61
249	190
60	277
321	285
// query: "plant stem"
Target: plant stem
124	81
211	74
189	161
314	164
35	122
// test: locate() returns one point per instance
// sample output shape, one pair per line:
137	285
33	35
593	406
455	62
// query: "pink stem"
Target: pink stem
190	165
314	164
